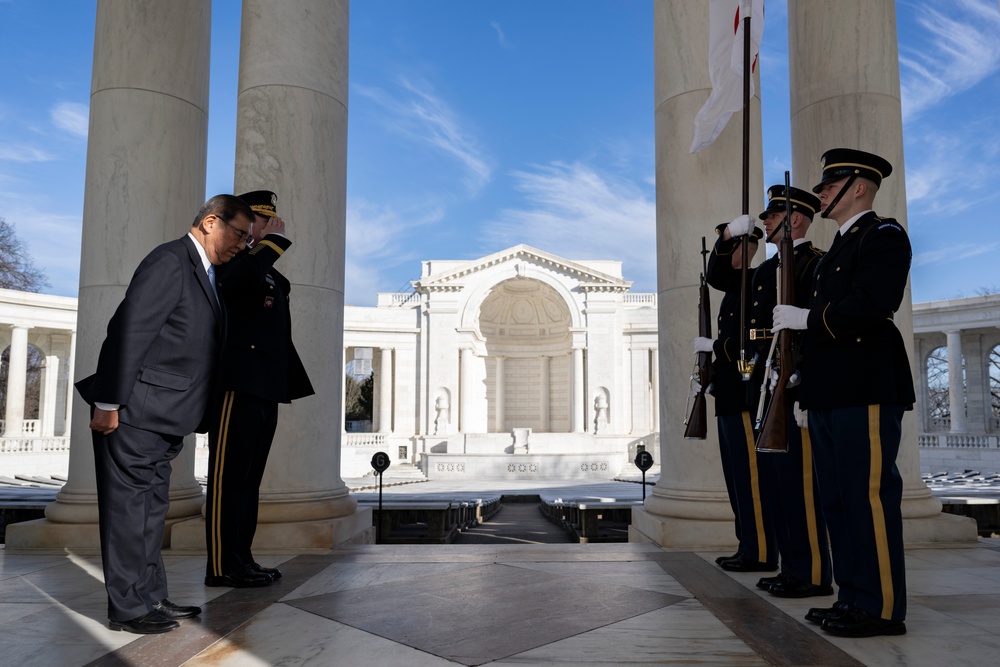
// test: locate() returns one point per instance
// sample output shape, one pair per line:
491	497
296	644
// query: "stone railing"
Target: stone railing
364	439
959	441
34	445
29	427
639	299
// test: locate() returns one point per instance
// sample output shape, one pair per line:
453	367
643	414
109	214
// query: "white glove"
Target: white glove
695	386
793	380
702	344
801	416
744	224
790	317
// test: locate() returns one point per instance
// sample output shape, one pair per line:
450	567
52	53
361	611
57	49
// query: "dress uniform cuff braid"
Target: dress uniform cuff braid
267	244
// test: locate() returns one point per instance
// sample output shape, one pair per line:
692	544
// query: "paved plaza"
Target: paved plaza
509	602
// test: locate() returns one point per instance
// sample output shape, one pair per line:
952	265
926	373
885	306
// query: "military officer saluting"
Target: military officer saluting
856	384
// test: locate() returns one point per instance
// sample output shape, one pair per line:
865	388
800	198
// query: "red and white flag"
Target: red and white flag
725	63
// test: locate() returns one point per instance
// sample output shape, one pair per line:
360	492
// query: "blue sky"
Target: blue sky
475	126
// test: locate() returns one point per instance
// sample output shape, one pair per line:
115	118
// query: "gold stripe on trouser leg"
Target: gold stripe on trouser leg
762	555
214	549
878	515
809	502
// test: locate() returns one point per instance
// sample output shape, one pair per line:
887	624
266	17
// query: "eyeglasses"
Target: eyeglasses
244	235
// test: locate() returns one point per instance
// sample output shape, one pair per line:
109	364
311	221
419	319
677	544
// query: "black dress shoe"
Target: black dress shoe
272	572
765	583
793	587
859	623
245	578
718	561
819	614
743	564
152	623
168	609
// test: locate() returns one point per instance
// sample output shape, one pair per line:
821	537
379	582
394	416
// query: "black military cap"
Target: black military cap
839	163
263	202
804	202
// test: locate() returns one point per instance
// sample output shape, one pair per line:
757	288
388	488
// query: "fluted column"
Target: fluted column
844	85
500	387
291	137
146	152
576	392
17	372
544	390
956	383
654	362
694	192
385	390
466	407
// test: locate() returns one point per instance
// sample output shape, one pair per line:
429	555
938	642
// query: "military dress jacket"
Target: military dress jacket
728	386
854	353
765	297
259	357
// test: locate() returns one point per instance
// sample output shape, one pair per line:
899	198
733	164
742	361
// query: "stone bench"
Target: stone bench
589	520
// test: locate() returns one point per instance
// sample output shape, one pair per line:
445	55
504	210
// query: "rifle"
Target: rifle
697	422
773	435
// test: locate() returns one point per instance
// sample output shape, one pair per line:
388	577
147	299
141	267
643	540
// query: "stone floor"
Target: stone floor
509	603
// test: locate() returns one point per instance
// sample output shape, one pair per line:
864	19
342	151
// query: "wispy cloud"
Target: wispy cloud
954	253
380	237
423	117
961	49
24	153
578	212
501	38
71	117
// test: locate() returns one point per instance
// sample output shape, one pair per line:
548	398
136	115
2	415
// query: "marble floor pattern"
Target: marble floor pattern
535	604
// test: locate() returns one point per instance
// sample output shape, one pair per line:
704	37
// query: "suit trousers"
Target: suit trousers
133	494
862	490
749	476
239	443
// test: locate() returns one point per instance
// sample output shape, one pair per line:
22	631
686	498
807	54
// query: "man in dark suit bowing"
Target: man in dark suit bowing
260	369
151	388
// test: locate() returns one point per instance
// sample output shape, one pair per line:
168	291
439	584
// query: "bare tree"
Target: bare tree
17	269
938	400
994	366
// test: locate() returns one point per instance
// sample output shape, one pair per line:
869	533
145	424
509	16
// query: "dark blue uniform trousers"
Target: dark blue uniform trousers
855	450
238	447
748	478
798	514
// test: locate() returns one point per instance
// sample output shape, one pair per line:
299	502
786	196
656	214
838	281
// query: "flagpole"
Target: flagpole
745	365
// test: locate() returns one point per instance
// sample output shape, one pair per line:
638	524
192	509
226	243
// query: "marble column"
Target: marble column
48	395
977	385
499	387
544	397
466	407
385	390
146	152
654	374
17	373
576	392
62	349
291	137
956	383
689	506
844	86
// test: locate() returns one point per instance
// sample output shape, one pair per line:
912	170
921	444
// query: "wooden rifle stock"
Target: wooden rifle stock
773	436
696	425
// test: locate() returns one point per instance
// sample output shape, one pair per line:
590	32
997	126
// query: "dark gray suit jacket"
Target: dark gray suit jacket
163	344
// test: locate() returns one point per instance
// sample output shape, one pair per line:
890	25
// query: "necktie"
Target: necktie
211	278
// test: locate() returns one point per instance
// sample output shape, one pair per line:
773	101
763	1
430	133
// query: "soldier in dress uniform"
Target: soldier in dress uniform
745	479
793	502
260	369
856	384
